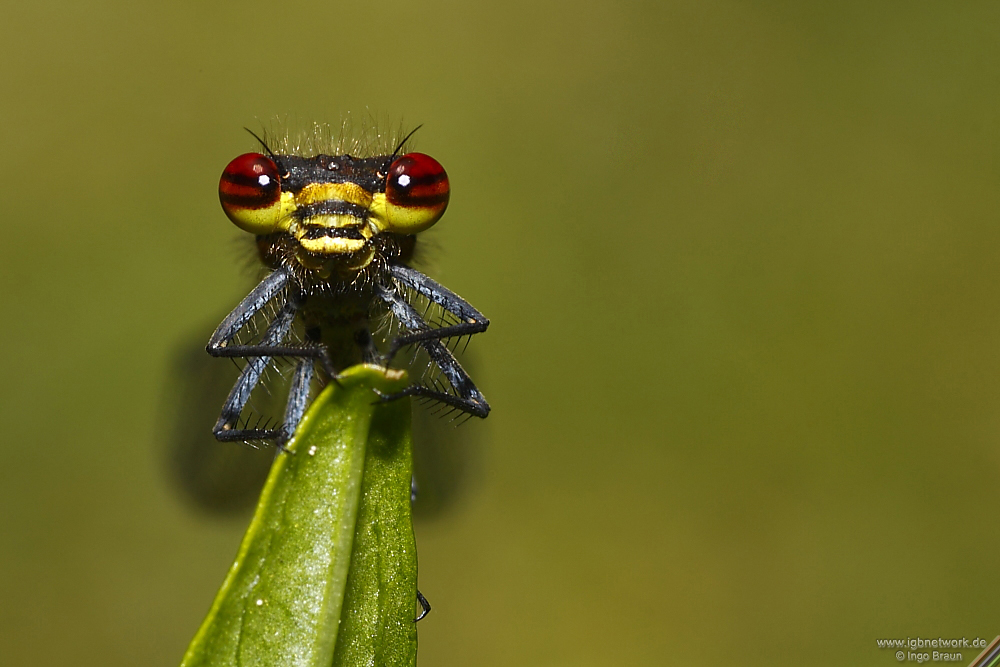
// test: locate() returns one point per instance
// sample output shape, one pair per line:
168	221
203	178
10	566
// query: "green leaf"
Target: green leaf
326	574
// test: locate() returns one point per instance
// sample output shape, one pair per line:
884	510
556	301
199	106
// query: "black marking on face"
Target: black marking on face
368	173
332	207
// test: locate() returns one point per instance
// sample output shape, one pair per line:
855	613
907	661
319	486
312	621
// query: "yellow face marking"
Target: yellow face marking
332	245
343	265
379	215
334	221
318	192
315	193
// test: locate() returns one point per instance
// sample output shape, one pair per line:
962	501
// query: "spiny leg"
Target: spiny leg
472	321
258	359
468	398
298	393
219	345
298	399
273	283
259	356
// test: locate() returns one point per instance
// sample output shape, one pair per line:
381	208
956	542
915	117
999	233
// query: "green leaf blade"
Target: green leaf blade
378	623
284	597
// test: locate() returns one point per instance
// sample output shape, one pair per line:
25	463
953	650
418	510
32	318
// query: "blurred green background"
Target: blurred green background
741	265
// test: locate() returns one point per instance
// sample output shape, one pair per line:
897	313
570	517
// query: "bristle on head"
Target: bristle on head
362	137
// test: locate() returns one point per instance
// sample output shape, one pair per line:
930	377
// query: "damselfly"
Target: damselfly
338	233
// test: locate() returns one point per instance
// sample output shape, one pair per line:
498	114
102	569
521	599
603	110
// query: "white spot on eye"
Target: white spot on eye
264	179
404	180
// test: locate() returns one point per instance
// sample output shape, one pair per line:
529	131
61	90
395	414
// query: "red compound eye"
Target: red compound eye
416	180
249	182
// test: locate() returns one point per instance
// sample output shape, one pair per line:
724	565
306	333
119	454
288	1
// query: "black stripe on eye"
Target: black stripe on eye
261	200
427	180
424	202
248	180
